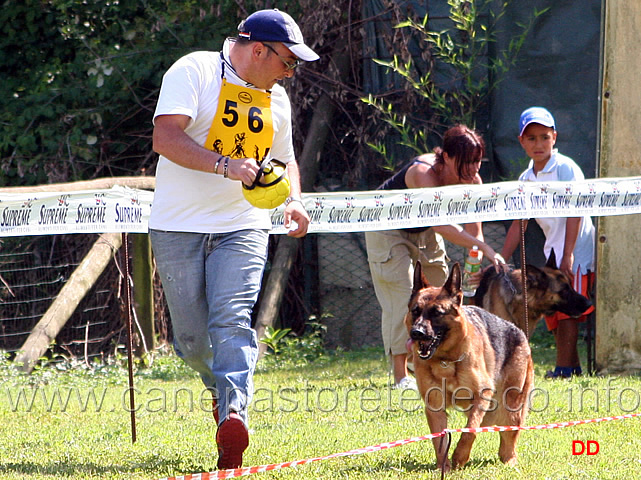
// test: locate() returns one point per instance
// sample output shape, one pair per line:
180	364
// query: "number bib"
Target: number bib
242	126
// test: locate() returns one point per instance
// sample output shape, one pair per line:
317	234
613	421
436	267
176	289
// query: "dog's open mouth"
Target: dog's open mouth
427	348
427	344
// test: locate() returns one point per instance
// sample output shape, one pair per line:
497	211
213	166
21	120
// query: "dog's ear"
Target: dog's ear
551	263
420	281
536	278
453	283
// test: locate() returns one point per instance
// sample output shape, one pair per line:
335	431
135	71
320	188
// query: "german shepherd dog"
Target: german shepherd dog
470	360
549	290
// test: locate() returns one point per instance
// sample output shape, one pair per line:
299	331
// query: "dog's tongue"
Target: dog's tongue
409	345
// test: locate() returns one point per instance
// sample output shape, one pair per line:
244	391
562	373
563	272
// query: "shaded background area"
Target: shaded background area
559	69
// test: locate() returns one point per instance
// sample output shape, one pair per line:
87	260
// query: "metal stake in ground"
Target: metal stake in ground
130	343
445	438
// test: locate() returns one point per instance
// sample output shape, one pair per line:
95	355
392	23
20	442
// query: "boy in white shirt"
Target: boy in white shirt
572	239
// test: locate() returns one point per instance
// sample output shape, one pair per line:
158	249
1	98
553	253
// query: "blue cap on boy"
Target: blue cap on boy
536	115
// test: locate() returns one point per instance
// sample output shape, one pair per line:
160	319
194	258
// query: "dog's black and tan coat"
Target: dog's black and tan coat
468	359
549	291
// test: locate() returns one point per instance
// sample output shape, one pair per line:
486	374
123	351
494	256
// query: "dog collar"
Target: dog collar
445	364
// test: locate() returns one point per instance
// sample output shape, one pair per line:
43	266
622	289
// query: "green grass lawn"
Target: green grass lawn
74	423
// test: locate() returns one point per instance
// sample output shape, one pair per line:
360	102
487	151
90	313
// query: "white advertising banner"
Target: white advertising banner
394	209
118	209
122	209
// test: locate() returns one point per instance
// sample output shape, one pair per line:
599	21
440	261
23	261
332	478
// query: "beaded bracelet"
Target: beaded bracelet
225	171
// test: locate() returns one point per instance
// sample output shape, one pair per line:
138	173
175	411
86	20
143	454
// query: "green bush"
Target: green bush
294	350
80	81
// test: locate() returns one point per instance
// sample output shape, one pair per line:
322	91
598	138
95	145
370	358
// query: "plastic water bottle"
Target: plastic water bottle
472	265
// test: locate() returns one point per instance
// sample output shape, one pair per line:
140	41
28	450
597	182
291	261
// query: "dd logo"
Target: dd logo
590	447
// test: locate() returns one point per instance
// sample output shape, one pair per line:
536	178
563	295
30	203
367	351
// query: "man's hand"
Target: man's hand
242	169
296	211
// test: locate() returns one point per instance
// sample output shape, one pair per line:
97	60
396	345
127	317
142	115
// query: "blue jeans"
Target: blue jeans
211	283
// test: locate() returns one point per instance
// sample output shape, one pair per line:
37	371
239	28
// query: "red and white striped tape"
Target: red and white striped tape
244	471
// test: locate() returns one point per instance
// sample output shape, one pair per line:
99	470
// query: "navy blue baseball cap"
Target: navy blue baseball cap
276	26
536	115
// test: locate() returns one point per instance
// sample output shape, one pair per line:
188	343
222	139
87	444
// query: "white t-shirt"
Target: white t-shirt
187	200
563	169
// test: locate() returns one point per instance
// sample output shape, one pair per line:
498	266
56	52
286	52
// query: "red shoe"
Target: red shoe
232	439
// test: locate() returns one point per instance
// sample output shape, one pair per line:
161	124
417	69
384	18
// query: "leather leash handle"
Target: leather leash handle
266	167
524	280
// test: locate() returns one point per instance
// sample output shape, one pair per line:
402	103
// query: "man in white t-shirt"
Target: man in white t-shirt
572	239
218	115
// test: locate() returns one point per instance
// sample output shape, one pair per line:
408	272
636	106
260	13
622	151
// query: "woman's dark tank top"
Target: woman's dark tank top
397	181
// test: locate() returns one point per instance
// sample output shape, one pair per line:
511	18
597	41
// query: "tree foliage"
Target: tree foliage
80	81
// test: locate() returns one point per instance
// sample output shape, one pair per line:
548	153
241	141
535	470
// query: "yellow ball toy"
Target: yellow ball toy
271	186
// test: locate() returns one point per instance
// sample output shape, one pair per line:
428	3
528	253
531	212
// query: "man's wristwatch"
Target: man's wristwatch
289	200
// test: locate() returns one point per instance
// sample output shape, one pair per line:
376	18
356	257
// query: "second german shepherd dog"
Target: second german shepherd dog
549	290
470	360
